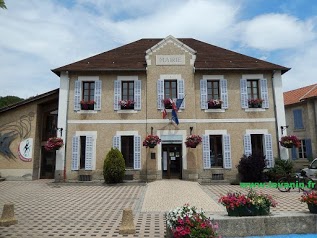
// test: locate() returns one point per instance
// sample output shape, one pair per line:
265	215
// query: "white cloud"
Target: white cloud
276	31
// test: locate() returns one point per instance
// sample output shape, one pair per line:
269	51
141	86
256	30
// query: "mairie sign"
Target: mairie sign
170	60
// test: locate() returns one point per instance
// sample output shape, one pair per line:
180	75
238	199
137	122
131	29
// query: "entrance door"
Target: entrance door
172	161
48	164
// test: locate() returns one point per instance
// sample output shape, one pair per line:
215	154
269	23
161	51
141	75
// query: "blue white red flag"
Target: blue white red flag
174	117
164	113
179	103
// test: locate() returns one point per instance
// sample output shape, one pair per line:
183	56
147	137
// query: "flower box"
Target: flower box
255	103
87	105
126	104
168	103
214	104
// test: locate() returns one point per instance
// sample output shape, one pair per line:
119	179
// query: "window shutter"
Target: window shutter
98	90
203	94
160	94
264	93
206	152
224	93
227	152
77	91
268	150
89	153
181	92
247	145
117	95
137	152
244	93
298	119
294	153
116	142
137	95
309	151
75	152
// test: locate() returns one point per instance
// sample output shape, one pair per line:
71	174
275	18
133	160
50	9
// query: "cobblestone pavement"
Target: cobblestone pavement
45	209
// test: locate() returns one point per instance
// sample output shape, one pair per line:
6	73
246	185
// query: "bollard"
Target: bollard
127	224
7	218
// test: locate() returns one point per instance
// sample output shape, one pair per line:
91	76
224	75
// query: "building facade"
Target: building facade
96	114
301	120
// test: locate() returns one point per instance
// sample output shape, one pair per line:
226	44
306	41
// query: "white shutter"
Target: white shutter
89	153
247	145
75	152
160	94
203	94
117	95
181	92
98	88
77	91
137	152
116	142
206	151
224	93
244	93
226	152
268	150
264	93
137	95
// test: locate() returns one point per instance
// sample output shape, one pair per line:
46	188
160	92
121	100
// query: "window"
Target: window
213	92
127	151
216	156
170	89
259	144
298	119
82	152
302	150
87	93
216	151
130	147
254	92
127	93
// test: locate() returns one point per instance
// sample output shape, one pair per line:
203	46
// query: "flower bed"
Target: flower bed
186	221
251	204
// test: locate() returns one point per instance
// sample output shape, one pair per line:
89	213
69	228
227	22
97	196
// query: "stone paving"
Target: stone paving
45	209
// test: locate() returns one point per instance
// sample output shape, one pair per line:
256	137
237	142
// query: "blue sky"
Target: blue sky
37	36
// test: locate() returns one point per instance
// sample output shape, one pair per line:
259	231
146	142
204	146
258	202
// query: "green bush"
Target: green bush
251	168
114	167
280	169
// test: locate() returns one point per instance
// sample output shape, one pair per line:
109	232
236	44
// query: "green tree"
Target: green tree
2	4
8	100
114	167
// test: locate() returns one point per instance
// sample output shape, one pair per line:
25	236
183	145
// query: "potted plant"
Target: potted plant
126	104
251	204
151	141
168	103
214	103
186	221
311	200
87	105
290	141
255	103
192	141
53	143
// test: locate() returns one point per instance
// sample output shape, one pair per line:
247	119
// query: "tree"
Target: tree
8	100
2	4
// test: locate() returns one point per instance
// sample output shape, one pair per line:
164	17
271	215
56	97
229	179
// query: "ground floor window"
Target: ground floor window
127	150
257	144
82	152
216	155
304	151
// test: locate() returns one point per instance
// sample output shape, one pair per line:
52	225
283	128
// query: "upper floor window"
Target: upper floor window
87	93
213	92
254	92
170	89
298	119
127	93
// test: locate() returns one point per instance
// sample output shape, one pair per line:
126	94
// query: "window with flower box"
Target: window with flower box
213	92
254	92
87	93
127	93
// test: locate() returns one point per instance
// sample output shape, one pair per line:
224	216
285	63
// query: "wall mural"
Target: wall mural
21	129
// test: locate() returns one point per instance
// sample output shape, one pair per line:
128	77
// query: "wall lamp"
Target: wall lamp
283	128
60	130
190	130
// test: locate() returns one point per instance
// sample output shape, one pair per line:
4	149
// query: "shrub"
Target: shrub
251	168
280	169
114	167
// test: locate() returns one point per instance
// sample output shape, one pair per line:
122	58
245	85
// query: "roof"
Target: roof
132	57
297	95
29	100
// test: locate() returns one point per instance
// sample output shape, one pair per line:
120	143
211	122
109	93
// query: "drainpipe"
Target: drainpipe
275	115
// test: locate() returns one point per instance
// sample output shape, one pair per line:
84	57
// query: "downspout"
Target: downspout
275	115
146	123
66	129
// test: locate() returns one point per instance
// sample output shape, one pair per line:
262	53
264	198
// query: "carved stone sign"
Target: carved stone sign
170	60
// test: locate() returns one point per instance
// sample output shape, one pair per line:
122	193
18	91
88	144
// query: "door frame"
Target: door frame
178	149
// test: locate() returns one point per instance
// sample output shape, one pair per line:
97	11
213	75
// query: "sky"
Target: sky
38	36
